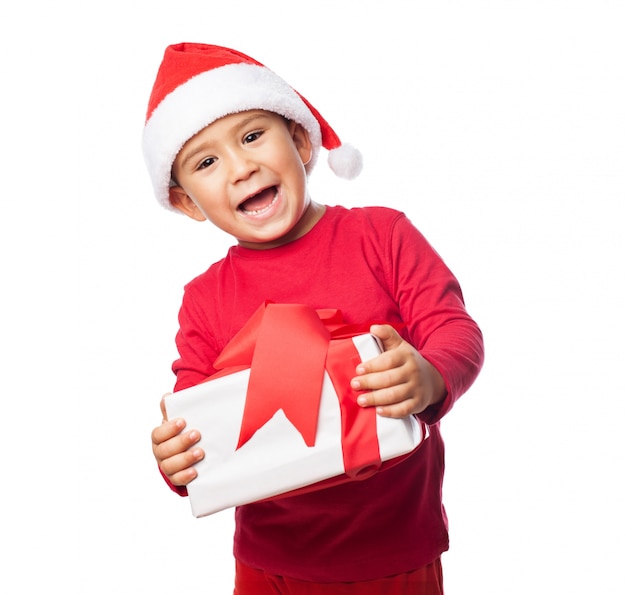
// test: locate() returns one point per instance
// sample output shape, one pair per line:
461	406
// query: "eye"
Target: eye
207	162
250	138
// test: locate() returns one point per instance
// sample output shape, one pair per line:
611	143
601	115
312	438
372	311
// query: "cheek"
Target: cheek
209	193
297	172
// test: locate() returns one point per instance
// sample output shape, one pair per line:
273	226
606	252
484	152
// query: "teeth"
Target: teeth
259	211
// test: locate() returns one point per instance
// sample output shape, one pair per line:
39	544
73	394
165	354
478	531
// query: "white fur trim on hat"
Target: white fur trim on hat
207	97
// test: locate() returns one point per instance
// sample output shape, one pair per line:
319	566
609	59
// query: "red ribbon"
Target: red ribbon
359	439
287	348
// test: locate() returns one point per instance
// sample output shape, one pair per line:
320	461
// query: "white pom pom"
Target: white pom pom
345	161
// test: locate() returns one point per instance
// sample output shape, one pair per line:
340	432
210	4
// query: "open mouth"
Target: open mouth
260	202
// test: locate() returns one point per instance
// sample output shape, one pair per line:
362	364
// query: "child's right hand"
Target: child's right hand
173	450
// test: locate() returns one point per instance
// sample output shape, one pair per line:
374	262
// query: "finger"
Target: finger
397	401
178	467
167	430
163	409
380	364
389	337
184	477
390	368
176	445
399	410
395	354
385	396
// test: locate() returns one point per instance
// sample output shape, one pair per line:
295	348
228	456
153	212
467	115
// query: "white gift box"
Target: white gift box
275	460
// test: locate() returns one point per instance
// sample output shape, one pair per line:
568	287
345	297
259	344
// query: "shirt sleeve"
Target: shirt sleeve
194	342
438	324
196	354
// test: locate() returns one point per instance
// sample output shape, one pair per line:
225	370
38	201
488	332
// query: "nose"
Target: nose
241	165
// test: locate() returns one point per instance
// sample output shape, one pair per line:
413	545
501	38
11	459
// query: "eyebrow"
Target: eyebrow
240	124
190	156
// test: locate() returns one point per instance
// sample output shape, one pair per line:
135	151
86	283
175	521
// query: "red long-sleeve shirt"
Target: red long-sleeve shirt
372	264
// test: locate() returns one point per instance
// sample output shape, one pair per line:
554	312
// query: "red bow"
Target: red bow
287	348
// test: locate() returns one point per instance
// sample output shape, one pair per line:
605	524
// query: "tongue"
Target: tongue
259	201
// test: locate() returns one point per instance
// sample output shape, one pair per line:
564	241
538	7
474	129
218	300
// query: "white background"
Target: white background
499	127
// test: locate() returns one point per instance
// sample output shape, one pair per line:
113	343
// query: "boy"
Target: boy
229	141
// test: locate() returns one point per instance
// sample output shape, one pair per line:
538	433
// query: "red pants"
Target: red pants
423	581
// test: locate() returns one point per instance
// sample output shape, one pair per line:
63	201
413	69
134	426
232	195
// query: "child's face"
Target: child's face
245	173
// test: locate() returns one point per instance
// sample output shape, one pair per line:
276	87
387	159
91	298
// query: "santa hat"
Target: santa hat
197	84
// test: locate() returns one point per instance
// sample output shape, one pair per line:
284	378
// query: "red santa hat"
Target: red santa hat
197	84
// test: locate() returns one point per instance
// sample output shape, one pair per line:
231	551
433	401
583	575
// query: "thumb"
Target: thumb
388	335
163	410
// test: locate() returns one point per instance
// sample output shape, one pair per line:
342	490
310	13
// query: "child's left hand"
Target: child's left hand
401	381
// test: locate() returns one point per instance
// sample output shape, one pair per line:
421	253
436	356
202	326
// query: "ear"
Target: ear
180	200
302	141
